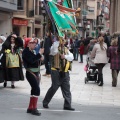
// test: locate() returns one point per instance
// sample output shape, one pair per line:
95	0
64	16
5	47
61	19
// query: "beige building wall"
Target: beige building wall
5	24
93	4
29	14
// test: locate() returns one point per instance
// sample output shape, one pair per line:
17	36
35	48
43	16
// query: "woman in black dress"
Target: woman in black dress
12	64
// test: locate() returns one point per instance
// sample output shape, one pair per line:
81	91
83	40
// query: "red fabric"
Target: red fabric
27	41
35	100
31	103
81	49
71	42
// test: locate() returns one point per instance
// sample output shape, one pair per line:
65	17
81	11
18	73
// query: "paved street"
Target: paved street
91	101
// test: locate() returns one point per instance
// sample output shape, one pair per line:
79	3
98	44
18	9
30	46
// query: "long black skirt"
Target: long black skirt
13	74
1	76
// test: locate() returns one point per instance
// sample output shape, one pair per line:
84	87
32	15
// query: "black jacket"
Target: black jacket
47	45
30	60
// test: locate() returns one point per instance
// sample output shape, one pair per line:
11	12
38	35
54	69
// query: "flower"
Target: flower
7	51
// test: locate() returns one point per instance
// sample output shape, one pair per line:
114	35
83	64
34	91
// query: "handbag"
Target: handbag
12	60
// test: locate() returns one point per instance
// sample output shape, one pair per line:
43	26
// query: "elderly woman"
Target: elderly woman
99	53
114	61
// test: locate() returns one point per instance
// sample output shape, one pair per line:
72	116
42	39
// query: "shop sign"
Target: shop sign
20	22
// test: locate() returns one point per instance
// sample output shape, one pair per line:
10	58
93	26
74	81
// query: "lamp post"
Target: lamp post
100	21
84	26
101	18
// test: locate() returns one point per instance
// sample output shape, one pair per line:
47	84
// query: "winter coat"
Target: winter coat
114	58
81	49
99	55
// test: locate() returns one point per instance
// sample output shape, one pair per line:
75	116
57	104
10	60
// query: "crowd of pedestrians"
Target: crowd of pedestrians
57	54
28	51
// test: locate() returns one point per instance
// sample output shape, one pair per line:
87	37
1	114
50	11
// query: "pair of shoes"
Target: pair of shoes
45	106
100	84
97	81
29	110
5	84
35	112
113	85
45	74
80	62
69	108
12	86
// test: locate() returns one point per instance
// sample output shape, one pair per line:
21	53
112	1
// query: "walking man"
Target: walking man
60	66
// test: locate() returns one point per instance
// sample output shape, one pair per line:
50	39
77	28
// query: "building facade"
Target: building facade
7	7
114	16
87	22
28	19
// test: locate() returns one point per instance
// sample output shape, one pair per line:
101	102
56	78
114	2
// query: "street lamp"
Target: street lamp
84	26
100	26
101	18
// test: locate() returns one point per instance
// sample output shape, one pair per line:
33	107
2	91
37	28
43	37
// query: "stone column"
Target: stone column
115	16
118	16
111	17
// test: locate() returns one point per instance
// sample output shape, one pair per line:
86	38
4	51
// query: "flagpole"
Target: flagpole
49	14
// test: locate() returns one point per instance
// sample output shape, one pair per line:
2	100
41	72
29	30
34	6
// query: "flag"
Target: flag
59	19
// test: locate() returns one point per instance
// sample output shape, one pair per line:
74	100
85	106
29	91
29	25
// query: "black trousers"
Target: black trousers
47	64
34	83
62	81
81	58
100	73
100	67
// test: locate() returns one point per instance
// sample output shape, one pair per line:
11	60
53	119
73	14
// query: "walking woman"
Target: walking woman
99	53
12	61
31	64
114	61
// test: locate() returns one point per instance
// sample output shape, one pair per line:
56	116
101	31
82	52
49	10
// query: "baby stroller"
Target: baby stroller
91	70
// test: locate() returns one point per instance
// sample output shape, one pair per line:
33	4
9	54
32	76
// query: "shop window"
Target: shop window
20	4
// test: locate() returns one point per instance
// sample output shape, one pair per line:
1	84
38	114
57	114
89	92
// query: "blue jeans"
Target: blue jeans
81	58
75	53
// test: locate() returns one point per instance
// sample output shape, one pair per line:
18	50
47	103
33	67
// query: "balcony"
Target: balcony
8	5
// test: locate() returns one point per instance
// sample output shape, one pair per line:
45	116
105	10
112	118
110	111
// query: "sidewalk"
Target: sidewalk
83	94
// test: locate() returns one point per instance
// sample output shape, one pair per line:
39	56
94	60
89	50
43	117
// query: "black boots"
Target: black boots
100	79
5	84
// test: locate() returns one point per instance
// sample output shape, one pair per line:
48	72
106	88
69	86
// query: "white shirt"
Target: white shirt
54	51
